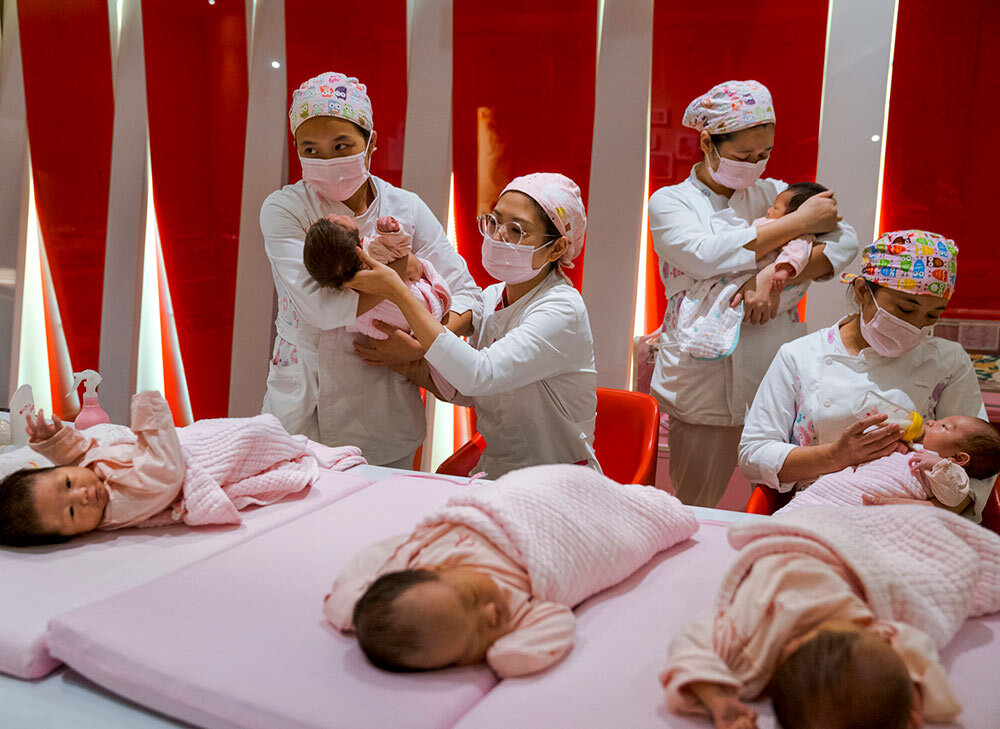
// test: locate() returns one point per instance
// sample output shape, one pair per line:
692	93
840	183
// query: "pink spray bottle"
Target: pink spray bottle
91	413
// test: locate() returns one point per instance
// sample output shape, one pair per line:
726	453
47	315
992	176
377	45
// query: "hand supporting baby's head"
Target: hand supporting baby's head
422	619
791	198
330	251
843	677
49	505
972	443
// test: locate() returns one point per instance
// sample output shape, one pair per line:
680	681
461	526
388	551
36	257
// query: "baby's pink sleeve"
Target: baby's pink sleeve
66	448
795	253
693	660
157	459
354	579
948	482
544	636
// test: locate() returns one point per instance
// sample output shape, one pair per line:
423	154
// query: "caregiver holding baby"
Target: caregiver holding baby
528	368
702	228
803	423
317	385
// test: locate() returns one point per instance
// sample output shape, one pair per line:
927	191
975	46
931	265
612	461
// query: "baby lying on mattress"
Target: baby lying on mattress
839	614
949	452
494	573
202	474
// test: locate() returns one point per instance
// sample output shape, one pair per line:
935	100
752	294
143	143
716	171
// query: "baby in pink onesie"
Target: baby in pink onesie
793	256
445	595
330	256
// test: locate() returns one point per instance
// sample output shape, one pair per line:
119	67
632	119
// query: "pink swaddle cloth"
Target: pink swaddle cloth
573	530
708	327
890	476
919	565
431	290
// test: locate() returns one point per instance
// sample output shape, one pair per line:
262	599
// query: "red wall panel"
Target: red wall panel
66	55
366	40
196	89
780	43
939	157
523	101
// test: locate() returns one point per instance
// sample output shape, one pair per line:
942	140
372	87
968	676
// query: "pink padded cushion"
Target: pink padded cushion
610	677
239	640
41	582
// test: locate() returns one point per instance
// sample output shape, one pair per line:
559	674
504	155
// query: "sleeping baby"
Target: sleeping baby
948	453
202	474
494	573
330	256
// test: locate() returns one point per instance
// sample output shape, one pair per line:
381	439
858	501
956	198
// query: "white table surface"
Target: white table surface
66	700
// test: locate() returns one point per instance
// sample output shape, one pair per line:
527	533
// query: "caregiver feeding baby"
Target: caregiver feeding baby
876	428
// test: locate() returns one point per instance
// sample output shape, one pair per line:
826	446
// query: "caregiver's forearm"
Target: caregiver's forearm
367	302
772	236
805	463
459	324
425	327
816	267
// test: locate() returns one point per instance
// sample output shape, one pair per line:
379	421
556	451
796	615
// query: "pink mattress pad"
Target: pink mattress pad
42	582
609	679
239	639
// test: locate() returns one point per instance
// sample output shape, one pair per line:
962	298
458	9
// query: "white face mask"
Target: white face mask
337	178
736	175
509	262
889	335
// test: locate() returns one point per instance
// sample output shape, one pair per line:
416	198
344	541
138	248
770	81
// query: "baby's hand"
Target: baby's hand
387	224
782	272
731	713
38	430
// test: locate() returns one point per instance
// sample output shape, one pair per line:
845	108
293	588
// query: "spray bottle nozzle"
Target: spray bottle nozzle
91	378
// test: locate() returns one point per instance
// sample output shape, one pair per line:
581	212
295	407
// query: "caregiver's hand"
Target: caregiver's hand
759	307
855	446
872	500
377	278
400	348
819	213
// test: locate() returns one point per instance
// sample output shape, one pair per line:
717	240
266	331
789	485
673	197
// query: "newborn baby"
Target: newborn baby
793	256
330	256
948	453
223	465
493	576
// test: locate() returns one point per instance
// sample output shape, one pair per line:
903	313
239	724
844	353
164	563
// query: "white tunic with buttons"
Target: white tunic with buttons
529	370
698	234
317	385
809	393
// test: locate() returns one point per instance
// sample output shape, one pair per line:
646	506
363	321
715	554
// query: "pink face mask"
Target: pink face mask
736	175
338	178
509	262
889	335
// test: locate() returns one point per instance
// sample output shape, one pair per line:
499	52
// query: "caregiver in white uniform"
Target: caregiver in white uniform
528	368
802	423
317	385
701	228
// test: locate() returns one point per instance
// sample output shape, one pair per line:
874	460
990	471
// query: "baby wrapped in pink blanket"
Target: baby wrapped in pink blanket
839	612
157	475
494	573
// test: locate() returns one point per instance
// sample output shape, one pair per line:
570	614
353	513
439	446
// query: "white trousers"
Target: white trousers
702	460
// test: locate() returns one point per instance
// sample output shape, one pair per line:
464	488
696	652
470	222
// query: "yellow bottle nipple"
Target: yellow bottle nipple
915	428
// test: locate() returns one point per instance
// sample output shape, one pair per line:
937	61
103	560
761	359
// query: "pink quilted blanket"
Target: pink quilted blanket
574	531
919	565
889	476
233	463
432	291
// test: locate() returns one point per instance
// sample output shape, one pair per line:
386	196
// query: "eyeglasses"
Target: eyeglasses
511	232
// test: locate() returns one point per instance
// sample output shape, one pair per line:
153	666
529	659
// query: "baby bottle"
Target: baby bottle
871	403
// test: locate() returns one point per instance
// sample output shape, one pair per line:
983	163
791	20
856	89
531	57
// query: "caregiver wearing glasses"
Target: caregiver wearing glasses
528	368
316	384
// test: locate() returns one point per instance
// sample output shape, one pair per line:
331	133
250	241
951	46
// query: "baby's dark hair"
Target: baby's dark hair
19	524
983	447
835	681
801	191
330	254
385	638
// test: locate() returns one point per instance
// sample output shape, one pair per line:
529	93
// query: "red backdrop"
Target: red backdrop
780	43
66	52
366	40
938	154
196	91
523	101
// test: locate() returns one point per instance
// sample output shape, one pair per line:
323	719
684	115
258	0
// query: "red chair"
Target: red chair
625	439
765	500
991	512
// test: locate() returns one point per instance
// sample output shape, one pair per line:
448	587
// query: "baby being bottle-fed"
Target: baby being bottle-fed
871	403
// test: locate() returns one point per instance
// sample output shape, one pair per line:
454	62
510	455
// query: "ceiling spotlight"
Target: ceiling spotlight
875	137
275	64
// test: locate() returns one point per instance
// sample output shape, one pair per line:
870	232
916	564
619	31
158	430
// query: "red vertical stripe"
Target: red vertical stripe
780	43
196	90
523	101
366	40
939	157
66	54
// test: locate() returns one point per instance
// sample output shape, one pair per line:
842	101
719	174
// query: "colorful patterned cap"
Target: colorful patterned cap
331	94
729	107
914	261
560	198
